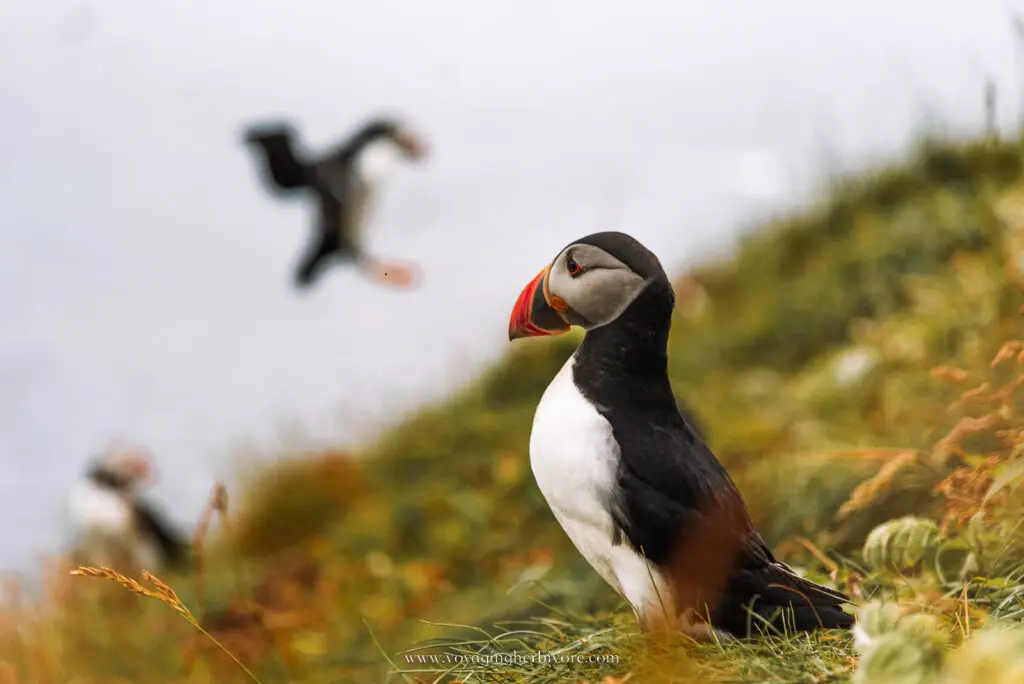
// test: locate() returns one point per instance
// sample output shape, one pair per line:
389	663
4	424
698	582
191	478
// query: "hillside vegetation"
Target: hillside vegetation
850	365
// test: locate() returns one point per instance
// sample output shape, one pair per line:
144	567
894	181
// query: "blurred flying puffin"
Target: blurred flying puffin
629	479
115	527
345	183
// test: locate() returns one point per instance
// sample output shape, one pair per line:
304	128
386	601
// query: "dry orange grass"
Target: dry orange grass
984	435
967	488
166	595
41	638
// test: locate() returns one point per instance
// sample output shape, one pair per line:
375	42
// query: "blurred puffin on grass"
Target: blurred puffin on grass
114	526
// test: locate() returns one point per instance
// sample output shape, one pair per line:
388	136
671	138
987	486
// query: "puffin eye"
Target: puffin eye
574	268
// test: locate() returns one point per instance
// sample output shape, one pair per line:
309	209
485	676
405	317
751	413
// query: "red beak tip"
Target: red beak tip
521	323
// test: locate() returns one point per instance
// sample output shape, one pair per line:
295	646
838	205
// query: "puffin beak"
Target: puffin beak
413	146
534	315
144	470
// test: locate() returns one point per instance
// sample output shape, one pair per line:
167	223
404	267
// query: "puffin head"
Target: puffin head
125	468
411	145
590	283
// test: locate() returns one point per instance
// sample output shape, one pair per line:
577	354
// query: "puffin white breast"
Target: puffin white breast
98	510
575	459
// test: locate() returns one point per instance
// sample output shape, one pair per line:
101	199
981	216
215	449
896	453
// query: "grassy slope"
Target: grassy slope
894	274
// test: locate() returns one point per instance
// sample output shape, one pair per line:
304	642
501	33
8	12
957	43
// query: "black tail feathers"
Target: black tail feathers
795	616
782	603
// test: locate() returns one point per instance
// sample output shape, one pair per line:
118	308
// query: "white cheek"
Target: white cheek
601	296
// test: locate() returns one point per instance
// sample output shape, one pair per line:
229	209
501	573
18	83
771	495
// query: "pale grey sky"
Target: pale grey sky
145	273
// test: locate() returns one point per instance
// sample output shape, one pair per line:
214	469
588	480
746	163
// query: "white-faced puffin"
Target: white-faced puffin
630	480
345	183
115	527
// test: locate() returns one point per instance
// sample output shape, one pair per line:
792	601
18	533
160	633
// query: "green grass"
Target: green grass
438	531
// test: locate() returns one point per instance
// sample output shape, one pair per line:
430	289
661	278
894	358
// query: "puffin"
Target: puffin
628	476
345	183
115	527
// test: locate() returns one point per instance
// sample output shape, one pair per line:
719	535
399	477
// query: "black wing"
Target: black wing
172	546
324	240
336	233
670	483
679	506
281	167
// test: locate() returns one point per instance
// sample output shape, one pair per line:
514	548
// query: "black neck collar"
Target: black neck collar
629	356
358	144
105	478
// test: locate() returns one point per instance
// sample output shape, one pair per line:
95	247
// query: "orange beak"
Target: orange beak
144	469
414	146
533	315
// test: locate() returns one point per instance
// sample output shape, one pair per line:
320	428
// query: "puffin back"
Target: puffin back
155	527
